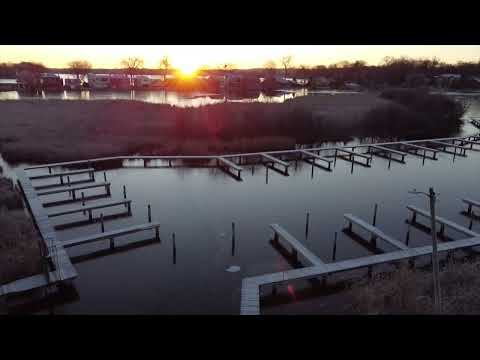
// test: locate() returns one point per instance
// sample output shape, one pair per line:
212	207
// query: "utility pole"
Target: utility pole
436	281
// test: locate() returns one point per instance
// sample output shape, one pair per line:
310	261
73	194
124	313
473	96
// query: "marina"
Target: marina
228	163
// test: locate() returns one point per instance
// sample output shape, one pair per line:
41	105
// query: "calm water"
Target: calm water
160	96
199	204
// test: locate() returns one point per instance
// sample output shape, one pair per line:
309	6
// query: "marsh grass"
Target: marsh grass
19	249
44	131
409	291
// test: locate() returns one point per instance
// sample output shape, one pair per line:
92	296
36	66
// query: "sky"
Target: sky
190	57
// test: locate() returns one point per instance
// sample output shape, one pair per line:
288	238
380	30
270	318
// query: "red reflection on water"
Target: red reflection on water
291	291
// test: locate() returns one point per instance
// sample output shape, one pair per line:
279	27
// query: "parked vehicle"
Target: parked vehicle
98	81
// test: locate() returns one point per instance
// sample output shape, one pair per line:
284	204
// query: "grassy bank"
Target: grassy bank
411	292
57	130
19	251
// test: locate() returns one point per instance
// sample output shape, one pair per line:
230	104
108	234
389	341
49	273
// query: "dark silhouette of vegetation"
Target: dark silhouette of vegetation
286	61
79	67
132	65
84	129
19	251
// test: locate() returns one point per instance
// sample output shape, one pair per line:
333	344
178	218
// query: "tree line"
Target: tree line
391	71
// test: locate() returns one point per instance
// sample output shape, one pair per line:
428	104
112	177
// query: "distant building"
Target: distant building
143	82
120	82
98	81
51	82
73	84
238	82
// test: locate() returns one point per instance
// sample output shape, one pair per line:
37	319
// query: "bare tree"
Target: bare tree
131	66
286	62
269	68
79	67
165	64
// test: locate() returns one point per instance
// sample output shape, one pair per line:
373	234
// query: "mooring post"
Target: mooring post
68	181
174	249
129	207
83	201
334	254
374	222
105	176
49	169
124	192
306	224
157	233
149	213
471	222
233	238
101	223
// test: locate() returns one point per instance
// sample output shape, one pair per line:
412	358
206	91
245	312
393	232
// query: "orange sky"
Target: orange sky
189	57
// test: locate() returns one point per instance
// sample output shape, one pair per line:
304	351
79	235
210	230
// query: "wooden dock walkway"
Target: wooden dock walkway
111	234
307	155
229	165
90	171
270	160
376	232
443	222
351	157
73	189
61	268
471	203
382	151
90	208
416	148
280	232
444	145
250	293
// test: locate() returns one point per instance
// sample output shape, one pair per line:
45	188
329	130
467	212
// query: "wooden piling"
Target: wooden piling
334	247
102	223
105	176
149	213
174	249
83	201
124	192
306	224
374	222
233	238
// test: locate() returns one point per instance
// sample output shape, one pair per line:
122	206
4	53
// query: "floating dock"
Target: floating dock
250	293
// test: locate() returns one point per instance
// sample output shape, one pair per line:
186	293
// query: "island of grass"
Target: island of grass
41	131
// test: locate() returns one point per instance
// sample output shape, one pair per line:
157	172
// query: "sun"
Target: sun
187	70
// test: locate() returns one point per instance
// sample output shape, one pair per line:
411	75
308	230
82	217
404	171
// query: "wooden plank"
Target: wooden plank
66	173
73	188
355	153
443	221
229	163
109	234
275	160
393	151
375	231
316	156
448	145
471	202
284	234
419	147
86	208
